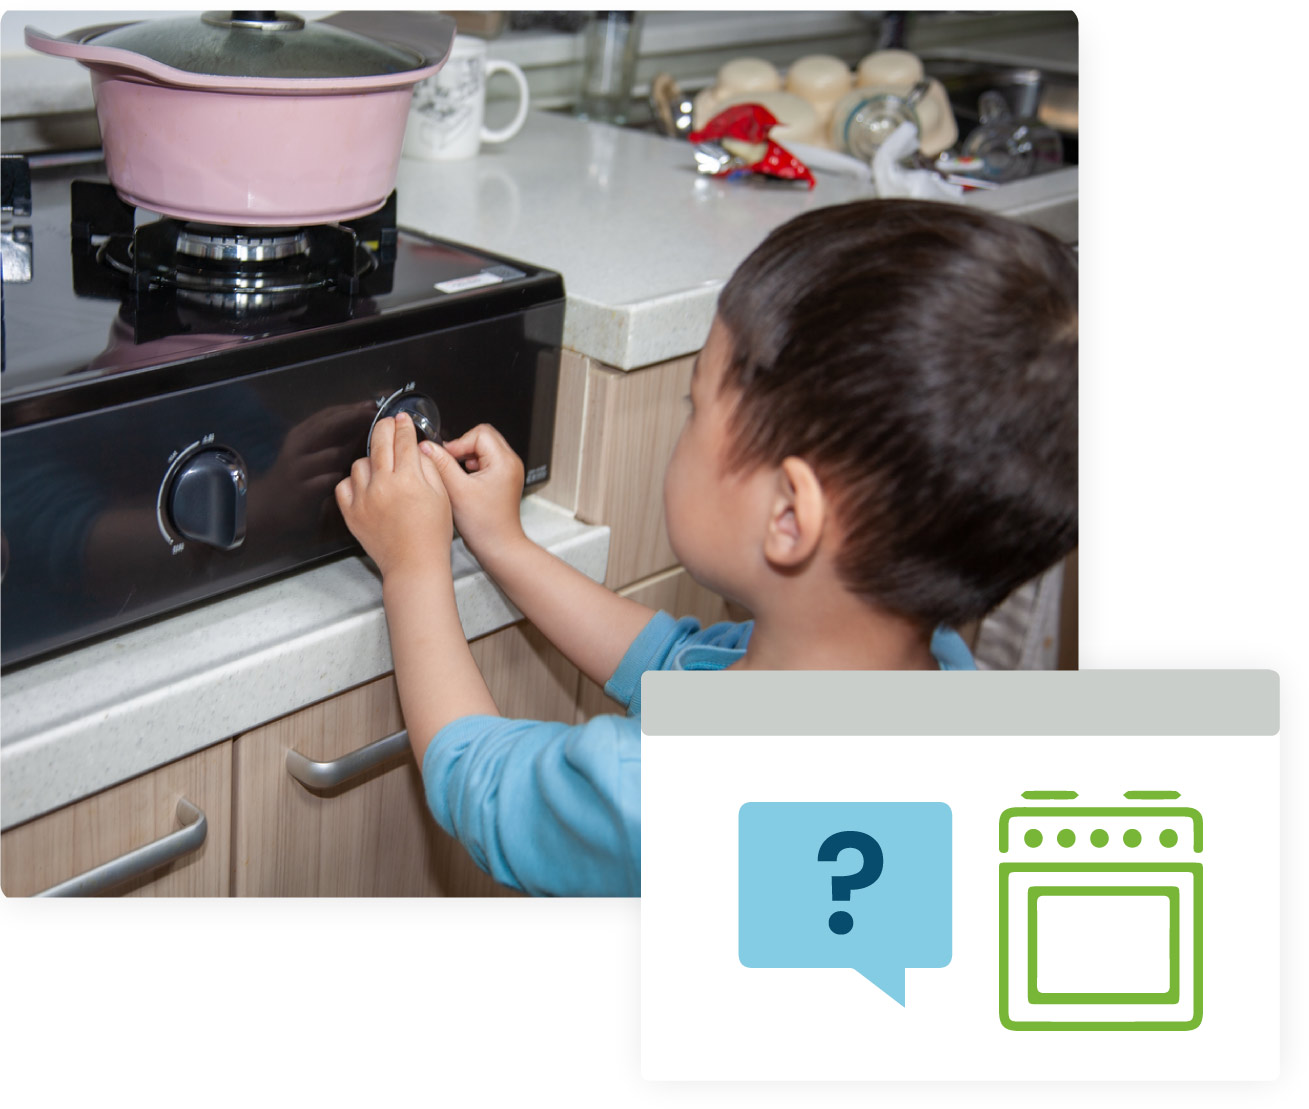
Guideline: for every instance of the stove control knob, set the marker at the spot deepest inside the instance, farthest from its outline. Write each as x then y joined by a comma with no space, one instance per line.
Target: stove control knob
422,410
206,502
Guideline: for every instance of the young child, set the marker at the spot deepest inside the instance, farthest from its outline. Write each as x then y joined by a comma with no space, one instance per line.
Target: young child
881,443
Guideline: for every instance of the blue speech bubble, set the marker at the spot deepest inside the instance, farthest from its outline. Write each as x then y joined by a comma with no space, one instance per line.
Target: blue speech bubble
891,912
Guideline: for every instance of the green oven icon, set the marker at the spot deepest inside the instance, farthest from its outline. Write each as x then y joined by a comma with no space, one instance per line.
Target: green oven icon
1101,914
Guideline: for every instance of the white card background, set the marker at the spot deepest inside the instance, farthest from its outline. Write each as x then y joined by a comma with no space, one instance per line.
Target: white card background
704,1016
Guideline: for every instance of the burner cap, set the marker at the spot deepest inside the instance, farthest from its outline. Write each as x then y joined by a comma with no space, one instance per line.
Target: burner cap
219,244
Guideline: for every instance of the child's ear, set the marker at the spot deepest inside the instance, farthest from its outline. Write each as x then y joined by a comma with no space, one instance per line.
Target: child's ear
796,515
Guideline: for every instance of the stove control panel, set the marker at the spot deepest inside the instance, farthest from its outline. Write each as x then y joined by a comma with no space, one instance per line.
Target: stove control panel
203,498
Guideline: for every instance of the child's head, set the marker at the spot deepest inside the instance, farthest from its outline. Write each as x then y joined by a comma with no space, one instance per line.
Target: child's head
921,360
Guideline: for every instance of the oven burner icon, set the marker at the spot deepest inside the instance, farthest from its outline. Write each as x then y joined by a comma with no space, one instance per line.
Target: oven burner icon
1100,914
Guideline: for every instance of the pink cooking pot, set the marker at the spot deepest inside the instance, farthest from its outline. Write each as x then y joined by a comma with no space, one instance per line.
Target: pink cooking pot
256,118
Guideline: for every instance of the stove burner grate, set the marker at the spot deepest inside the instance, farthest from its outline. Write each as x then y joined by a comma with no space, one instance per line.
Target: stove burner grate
236,270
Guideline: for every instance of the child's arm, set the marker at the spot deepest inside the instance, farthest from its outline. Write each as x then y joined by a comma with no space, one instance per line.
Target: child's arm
591,625
396,506
545,807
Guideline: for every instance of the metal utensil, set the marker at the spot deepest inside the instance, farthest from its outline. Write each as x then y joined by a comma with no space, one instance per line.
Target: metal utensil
672,107
714,158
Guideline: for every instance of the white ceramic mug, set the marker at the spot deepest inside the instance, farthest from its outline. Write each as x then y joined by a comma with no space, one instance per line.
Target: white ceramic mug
445,116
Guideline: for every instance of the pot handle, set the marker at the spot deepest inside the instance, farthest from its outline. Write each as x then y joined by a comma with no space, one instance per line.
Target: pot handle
432,34
429,33
75,45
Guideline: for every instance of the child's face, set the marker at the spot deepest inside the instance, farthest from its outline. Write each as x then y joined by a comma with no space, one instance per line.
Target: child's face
714,516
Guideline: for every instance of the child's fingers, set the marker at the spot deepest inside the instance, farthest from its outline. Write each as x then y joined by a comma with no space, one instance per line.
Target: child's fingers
361,473
431,471
404,442
479,444
464,443
443,464
382,448
345,494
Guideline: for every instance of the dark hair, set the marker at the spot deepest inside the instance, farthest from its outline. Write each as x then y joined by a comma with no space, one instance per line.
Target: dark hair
922,358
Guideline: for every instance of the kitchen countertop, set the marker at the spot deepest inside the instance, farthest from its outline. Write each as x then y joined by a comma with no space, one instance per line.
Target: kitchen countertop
97,715
645,243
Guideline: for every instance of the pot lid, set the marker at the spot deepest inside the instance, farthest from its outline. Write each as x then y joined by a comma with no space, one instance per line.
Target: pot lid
259,44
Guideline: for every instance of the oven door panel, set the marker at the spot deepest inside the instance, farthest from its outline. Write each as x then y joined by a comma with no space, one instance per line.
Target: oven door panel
1100,945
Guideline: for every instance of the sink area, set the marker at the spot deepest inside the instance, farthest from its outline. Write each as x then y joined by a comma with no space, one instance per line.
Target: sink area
1046,94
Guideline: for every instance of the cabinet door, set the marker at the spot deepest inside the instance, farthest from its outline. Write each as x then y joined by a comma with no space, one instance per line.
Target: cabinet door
631,425
89,833
373,836
570,413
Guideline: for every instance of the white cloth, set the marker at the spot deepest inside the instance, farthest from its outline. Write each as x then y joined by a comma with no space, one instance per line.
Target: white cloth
891,179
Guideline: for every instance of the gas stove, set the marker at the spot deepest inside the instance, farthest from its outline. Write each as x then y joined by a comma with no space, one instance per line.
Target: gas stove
179,400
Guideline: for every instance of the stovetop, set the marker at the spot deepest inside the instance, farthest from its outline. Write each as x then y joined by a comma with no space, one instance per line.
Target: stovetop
178,401
82,332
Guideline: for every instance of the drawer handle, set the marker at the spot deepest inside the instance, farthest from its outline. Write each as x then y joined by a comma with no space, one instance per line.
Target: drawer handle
186,840
327,775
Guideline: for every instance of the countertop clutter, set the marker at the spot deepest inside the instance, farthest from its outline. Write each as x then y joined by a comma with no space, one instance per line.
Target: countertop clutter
644,244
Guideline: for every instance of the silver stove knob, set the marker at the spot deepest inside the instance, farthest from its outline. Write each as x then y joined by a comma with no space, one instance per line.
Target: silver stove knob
422,410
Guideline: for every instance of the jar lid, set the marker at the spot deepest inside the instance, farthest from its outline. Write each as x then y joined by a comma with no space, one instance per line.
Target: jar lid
259,44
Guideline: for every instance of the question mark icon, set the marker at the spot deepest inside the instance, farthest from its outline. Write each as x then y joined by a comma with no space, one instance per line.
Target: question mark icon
841,922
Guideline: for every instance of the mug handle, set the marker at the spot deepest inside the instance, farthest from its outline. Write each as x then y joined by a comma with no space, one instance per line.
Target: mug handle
496,65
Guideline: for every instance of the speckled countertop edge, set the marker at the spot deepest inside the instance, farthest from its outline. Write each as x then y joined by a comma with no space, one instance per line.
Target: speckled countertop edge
87,719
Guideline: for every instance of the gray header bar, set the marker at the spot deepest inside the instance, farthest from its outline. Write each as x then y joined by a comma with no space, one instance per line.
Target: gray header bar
1027,702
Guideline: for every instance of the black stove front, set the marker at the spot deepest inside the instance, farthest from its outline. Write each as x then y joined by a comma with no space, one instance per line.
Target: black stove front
178,401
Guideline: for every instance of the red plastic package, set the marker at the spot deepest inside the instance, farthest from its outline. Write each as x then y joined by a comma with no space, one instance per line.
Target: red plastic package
751,124
748,122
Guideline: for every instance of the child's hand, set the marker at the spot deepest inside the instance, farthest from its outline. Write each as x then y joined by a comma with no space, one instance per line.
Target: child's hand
394,502
486,498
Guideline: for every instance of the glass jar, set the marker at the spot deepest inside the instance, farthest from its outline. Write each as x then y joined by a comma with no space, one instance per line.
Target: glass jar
1010,148
609,66
863,121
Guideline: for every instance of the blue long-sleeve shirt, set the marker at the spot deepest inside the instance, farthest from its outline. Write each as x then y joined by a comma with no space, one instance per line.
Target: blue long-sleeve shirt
553,808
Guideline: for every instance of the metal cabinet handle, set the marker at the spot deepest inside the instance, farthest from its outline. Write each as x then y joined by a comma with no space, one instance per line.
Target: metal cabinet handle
326,775
187,839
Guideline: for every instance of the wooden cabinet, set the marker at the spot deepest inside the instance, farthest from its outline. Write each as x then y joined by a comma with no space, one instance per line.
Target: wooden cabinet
366,837
634,420
268,835
373,836
70,841
613,437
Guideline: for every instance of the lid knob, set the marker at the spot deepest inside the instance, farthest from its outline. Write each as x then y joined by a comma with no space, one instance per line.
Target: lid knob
259,21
